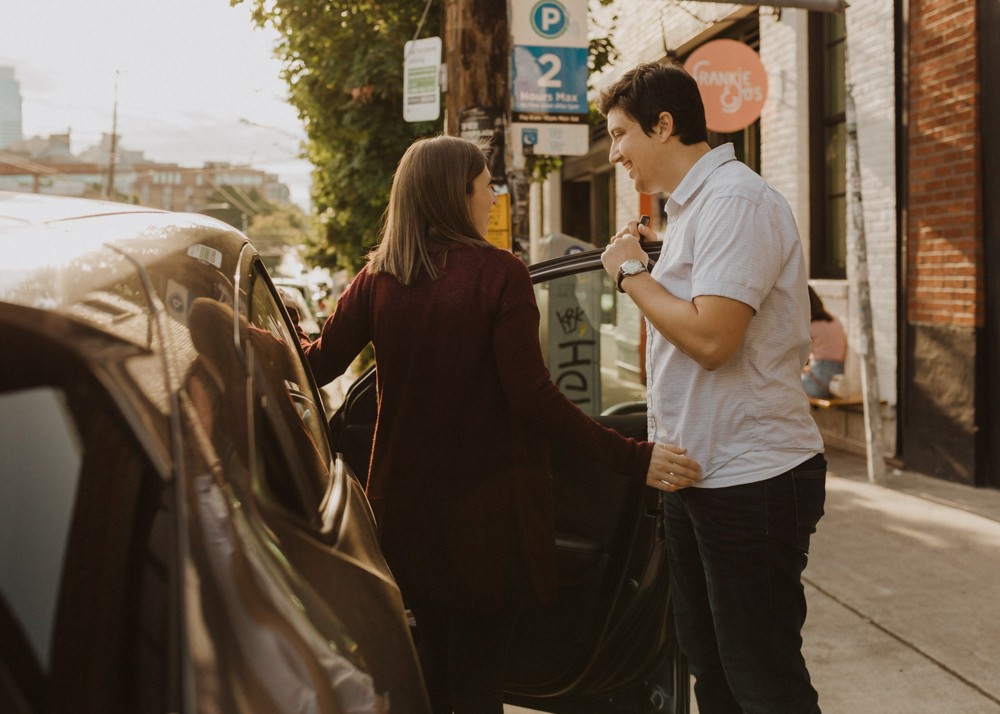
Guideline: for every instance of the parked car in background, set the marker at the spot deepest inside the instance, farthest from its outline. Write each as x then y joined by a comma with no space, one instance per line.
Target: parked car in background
176,534
293,297
315,295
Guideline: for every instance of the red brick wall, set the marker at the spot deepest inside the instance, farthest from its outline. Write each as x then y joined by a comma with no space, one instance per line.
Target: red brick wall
945,248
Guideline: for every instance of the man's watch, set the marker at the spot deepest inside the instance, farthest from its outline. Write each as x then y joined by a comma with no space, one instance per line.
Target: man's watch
629,267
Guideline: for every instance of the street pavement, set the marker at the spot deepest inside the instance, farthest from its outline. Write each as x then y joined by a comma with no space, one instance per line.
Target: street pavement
903,586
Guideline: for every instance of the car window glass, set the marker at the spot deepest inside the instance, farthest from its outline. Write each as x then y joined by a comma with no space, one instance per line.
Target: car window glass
290,425
592,342
43,456
85,552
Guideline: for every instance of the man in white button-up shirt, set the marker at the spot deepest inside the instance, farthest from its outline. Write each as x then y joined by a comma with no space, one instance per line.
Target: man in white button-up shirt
727,315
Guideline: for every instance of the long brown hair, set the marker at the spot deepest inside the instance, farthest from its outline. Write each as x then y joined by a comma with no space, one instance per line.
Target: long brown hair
429,203
816,309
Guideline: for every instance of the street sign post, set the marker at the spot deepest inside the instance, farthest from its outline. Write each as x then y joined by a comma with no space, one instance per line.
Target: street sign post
549,76
421,85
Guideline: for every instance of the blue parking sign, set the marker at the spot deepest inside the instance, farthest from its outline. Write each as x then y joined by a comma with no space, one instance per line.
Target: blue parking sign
550,79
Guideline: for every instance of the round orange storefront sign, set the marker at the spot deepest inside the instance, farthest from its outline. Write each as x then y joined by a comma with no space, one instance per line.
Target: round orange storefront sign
732,81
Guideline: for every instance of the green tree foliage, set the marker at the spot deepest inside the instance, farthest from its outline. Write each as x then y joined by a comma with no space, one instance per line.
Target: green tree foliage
282,227
343,62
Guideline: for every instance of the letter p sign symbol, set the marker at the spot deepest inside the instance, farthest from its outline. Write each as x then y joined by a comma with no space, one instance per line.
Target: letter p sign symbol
549,19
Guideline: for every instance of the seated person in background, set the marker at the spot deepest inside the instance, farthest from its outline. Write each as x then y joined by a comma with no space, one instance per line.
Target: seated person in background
829,347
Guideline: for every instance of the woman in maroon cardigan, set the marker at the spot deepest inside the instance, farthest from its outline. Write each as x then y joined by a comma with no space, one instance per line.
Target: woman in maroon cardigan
459,478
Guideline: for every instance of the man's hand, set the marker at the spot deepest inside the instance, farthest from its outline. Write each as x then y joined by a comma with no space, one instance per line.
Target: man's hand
626,245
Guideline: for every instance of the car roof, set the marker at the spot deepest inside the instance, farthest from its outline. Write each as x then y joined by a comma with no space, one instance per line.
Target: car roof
34,208
48,235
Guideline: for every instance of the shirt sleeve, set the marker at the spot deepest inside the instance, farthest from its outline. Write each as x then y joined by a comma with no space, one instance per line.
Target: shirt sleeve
533,396
737,253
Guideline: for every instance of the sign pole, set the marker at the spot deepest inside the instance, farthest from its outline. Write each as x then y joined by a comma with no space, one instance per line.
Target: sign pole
858,266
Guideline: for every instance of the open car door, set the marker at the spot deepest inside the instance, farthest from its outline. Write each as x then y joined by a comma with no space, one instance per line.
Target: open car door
606,644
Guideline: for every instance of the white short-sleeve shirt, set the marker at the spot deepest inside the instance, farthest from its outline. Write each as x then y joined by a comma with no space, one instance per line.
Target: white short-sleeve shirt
731,234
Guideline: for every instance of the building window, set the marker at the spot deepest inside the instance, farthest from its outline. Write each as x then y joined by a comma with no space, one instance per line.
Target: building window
828,146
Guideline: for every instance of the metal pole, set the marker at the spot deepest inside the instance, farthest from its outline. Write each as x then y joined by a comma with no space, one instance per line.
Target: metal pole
814,5
110,190
858,279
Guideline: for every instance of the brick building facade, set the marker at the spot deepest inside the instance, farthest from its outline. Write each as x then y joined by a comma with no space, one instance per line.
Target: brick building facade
947,317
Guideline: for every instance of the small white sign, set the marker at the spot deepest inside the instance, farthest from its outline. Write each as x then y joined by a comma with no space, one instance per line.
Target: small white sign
421,84
551,139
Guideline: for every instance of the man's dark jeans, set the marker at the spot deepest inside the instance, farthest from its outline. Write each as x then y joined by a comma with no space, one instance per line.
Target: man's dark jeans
736,560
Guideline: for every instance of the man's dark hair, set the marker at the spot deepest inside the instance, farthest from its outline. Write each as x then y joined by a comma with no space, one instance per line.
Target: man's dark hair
651,88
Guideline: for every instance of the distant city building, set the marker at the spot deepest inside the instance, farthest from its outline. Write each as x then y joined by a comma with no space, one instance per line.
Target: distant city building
217,186
52,149
101,154
10,108
46,165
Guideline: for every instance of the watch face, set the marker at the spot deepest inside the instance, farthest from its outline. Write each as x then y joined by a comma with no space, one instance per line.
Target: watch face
629,267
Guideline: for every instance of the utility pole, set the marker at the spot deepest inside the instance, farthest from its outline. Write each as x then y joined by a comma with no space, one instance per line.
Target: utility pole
109,191
476,50
477,98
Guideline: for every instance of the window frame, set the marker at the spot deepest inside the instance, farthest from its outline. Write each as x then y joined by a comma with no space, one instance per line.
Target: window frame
827,122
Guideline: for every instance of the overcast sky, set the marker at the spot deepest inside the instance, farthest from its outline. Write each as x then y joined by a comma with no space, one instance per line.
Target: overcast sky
197,81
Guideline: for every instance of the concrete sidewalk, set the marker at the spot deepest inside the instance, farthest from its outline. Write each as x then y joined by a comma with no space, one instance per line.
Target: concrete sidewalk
903,587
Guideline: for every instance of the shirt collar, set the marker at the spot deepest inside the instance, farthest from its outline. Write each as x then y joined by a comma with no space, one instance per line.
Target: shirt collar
699,173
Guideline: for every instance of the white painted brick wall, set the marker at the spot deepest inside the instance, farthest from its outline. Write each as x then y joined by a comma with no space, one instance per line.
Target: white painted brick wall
872,74
647,30
784,122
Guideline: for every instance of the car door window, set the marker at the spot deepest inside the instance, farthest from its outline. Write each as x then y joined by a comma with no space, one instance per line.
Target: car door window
85,555
294,459
40,444
592,342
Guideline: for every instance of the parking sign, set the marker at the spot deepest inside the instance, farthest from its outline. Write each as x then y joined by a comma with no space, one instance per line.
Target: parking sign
549,74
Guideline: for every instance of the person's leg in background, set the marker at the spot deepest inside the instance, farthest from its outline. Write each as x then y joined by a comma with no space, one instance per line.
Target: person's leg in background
478,662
